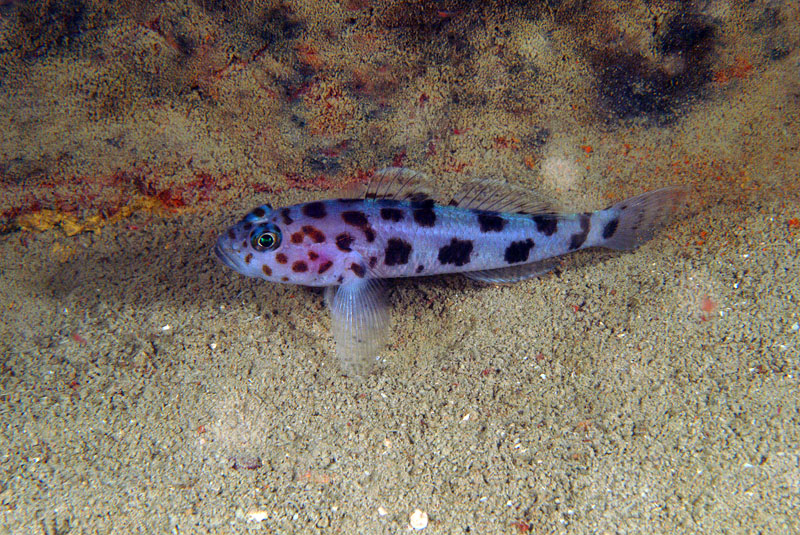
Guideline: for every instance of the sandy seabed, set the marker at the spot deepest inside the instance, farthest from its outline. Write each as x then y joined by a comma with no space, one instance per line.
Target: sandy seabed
147,389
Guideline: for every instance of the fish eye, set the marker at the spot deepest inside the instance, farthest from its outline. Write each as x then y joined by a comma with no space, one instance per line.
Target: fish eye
265,238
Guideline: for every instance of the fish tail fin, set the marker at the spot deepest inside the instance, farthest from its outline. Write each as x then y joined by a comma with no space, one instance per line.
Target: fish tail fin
630,223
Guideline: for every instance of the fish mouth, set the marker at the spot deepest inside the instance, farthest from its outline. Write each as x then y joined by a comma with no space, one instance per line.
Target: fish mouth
224,256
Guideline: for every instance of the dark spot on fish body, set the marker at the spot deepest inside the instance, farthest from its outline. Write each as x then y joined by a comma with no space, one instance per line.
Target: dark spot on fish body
420,268
392,214
358,269
546,224
325,266
258,213
456,253
231,234
355,218
518,251
297,238
248,258
344,241
316,235
579,238
247,226
287,219
299,267
315,210
397,252
359,220
267,270
312,255
610,229
285,278
373,261
491,222
281,258
424,215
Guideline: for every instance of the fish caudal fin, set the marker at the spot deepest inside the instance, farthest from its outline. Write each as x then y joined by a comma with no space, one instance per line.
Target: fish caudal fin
632,222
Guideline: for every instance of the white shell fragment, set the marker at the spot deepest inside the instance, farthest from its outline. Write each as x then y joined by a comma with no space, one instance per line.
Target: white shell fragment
418,519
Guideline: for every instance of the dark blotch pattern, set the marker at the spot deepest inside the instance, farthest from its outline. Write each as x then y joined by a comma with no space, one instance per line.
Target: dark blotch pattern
546,224
248,258
344,241
491,222
610,229
312,255
359,219
424,214
281,258
316,235
392,214
287,219
358,269
397,252
299,267
579,238
518,251
420,268
355,218
231,234
259,212
325,266
373,261
315,210
456,253
297,238
267,270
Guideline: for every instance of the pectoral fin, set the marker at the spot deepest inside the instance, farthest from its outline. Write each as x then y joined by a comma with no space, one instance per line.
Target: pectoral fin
360,322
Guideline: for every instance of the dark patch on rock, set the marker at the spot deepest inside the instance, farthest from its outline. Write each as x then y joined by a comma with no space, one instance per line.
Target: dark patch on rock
631,85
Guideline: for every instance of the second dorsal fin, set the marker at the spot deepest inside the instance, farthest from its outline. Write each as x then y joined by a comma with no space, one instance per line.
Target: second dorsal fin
494,196
397,183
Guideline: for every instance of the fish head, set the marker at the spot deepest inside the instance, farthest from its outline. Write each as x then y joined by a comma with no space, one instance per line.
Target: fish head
268,244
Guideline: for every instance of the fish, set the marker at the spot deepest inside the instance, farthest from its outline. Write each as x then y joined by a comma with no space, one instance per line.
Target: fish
352,247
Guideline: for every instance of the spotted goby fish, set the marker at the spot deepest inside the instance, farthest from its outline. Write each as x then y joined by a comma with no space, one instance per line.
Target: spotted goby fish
350,246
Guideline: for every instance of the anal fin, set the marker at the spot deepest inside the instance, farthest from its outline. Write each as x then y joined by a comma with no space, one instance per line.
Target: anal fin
359,321
511,274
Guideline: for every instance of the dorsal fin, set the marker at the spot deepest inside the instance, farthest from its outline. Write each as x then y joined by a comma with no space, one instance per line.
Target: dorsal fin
397,183
494,196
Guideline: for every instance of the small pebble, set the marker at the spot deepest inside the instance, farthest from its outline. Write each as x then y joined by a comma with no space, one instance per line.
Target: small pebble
257,516
418,520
